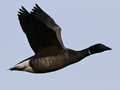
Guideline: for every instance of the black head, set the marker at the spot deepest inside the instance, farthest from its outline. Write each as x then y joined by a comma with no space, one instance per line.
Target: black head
97,48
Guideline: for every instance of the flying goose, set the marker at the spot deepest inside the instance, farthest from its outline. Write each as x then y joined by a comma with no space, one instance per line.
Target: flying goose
44,37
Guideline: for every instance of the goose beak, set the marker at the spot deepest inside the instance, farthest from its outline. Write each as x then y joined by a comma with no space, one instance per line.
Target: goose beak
108,48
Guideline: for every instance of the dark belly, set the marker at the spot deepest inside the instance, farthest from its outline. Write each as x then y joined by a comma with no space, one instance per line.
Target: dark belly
48,64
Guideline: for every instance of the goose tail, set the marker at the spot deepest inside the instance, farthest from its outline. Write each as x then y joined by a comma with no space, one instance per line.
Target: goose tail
22,66
16,68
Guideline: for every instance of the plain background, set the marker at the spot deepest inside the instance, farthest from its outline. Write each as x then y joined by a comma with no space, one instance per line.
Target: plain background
83,23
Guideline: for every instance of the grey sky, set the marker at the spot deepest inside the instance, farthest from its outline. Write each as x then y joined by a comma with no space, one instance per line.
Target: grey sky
83,23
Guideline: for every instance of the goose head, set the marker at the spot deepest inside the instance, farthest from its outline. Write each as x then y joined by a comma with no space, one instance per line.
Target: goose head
97,48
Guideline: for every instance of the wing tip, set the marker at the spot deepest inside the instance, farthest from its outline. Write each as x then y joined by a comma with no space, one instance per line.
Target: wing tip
22,10
37,6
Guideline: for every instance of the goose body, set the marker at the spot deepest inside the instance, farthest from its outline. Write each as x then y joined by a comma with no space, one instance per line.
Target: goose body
44,37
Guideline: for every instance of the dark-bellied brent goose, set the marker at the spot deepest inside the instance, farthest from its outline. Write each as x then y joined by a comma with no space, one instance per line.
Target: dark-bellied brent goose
44,37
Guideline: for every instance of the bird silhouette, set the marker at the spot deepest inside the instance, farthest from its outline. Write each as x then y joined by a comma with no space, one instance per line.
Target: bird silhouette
44,37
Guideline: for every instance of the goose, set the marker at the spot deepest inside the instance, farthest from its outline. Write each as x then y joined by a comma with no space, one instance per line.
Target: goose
44,37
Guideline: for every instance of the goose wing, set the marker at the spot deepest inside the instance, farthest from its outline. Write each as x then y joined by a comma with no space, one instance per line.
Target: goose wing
40,29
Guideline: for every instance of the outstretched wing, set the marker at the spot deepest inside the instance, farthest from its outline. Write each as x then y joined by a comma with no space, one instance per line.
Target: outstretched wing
40,29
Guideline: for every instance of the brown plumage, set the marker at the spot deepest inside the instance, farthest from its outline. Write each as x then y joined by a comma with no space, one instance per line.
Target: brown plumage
44,37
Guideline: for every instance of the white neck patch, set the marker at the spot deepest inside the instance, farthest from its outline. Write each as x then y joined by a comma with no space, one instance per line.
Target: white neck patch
89,52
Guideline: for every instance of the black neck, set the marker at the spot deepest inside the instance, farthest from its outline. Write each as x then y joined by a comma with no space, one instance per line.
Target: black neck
75,56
